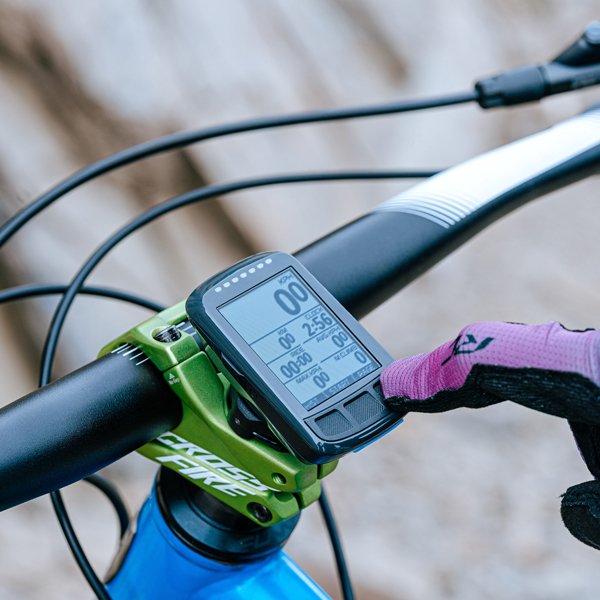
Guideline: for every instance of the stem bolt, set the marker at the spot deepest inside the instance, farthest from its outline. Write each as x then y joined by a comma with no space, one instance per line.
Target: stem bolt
168,334
260,513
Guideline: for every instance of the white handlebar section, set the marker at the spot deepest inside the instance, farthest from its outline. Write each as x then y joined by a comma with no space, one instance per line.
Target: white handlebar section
455,193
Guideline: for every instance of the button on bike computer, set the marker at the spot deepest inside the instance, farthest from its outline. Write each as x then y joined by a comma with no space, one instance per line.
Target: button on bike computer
309,368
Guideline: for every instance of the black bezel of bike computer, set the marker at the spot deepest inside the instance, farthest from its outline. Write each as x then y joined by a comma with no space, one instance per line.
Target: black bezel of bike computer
309,367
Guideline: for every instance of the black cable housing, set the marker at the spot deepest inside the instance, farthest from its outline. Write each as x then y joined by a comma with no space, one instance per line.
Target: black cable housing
180,140
110,490
336,544
22,292
78,553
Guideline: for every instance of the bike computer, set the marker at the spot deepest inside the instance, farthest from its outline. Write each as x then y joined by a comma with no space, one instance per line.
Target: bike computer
310,369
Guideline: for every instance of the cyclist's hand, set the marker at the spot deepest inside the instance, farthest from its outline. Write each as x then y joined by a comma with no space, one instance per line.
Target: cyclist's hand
544,367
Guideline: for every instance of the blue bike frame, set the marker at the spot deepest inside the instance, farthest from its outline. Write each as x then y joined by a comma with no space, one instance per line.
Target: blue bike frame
157,564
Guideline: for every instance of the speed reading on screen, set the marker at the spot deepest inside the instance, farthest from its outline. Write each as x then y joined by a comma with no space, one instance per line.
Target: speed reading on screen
298,338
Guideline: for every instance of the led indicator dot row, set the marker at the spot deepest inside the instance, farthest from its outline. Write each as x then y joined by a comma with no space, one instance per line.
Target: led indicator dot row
243,275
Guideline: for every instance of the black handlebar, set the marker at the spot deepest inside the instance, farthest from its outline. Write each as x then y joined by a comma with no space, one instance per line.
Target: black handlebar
367,261
79,424
103,411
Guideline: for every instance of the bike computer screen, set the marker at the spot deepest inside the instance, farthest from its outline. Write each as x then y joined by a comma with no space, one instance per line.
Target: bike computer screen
299,338
308,366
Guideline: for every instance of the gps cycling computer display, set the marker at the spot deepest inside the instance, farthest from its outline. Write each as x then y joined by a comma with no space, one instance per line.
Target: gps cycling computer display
310,369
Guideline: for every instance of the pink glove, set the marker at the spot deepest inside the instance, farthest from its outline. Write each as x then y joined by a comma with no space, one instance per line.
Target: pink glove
544,367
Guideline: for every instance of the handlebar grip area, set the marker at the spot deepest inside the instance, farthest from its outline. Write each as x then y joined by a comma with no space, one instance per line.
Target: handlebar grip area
81,423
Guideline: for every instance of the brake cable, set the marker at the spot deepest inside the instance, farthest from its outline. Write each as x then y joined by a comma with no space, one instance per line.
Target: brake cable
186,138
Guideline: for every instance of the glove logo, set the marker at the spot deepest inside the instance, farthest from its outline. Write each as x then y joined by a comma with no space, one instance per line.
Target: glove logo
466,346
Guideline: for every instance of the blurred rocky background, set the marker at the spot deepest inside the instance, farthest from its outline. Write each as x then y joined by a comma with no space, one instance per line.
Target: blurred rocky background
461,506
